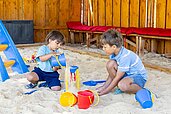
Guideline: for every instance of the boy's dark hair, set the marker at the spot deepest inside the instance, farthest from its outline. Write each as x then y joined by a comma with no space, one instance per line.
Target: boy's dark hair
55,35
112,37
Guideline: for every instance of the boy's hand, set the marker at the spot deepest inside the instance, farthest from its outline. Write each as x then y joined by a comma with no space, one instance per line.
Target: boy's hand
101,93
56,68
99,89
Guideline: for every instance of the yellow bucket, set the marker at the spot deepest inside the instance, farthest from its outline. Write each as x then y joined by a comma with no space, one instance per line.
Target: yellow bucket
67,99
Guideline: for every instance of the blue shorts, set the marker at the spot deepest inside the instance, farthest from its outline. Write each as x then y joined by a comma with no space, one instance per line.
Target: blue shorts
137,79
51,78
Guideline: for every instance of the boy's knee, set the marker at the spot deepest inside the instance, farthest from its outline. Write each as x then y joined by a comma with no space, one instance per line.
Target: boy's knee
111,64
55,88
123,86
30,77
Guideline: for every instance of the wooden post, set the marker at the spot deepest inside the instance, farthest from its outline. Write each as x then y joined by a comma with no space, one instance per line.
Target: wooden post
72,37
81,37
88,39
137,44
153,45
141,46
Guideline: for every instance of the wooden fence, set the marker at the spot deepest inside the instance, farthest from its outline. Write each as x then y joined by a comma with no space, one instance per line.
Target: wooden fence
53,14
133,13
47,15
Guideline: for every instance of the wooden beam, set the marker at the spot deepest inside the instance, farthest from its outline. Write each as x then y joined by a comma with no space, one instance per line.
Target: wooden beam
29,45
50,27
156,67
95,54
130,42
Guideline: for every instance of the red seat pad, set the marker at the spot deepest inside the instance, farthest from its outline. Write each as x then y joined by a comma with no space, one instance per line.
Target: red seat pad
152,31
75,25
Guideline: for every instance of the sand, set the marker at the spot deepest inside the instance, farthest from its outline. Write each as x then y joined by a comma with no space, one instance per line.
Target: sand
44,101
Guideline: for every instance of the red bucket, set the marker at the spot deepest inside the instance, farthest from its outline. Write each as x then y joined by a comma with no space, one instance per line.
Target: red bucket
85,99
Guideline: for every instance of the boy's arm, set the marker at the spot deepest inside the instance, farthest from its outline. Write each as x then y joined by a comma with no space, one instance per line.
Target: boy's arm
114,83
45,57
48,56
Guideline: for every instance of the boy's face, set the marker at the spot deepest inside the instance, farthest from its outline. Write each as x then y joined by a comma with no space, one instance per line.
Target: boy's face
54,45
109,49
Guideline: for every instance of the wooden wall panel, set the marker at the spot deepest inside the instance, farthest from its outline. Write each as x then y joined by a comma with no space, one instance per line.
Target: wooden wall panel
168,14
28,10
63,15
160,14
39,20
1,9
47,15
142,14
116,13
109,13
39,12
102,12
160,22
168,25
124,13
51,13
134,13
75,10
20,9
11,9
85,12
95,13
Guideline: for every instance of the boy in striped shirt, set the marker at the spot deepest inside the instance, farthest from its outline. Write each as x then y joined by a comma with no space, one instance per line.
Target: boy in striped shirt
125,68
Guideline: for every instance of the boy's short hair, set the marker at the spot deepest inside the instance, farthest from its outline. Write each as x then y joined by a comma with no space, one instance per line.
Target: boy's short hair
55,35
112,37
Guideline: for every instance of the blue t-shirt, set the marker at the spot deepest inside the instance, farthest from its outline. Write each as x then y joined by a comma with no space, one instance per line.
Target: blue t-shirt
46,65
130,63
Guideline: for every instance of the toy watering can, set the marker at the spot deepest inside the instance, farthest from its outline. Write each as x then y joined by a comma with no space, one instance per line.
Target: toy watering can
59,60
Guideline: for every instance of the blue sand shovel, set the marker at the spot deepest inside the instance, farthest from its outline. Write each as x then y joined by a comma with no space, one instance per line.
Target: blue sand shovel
30,92
93,83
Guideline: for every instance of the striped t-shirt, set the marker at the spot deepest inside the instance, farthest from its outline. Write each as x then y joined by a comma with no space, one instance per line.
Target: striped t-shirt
130,63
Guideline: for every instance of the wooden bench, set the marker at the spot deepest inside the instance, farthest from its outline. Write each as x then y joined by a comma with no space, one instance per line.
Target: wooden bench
152,34
92,33
140,34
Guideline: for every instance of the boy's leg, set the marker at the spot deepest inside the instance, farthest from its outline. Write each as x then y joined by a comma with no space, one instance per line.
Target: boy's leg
111,67
32,77
56,88
131,84
52,79
53,84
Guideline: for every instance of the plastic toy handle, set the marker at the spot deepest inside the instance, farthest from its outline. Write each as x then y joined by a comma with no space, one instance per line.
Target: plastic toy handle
77,79
98,98
66,78
59,62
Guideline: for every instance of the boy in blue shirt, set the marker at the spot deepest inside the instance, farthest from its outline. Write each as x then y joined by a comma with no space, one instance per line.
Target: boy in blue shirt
125,69
44,70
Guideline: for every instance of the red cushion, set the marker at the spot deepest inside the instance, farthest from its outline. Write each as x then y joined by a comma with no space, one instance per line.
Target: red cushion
101,28
74,25
152,31
165,32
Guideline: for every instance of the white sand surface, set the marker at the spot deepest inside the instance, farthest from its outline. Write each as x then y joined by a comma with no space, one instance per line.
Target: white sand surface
45,101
